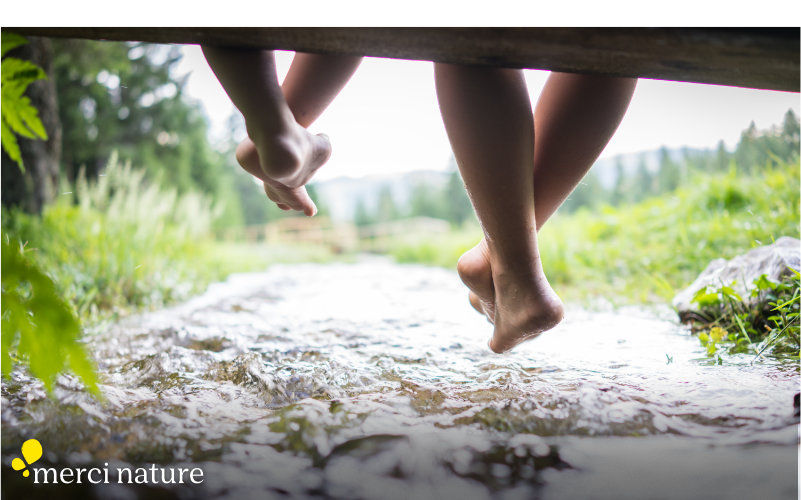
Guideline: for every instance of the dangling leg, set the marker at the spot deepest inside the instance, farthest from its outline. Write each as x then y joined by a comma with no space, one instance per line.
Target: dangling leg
488,118
279,150
575,118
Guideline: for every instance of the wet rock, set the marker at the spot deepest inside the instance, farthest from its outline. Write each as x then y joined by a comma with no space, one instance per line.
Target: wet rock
775,261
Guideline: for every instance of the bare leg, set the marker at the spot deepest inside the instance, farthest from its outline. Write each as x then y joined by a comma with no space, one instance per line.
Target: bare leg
279,150
489,122
311,84
313,81
575,117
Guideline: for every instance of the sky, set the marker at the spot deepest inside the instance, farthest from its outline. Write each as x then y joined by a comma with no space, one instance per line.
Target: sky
387,120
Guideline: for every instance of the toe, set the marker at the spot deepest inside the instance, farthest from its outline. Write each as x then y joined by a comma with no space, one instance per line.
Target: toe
497,346
303,201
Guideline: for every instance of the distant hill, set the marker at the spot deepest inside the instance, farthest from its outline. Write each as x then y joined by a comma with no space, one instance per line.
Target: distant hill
342,194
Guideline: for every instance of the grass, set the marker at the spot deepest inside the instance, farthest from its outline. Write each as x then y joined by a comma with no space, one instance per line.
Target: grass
646,252
121,244
725,322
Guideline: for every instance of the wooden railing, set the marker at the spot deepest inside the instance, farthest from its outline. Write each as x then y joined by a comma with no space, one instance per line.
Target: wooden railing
340,236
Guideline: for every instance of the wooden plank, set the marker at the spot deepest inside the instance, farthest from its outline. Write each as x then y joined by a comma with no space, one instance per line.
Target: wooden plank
757,58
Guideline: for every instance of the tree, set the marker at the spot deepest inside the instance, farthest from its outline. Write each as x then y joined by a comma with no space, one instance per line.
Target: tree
361,217
746,154
620,191
123,97
722,157
643,180
458,208
425,201
30,165
669,175
791,133
387,210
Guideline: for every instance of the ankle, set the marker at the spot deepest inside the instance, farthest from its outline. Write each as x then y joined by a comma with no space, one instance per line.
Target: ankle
281,154
517,269
516,255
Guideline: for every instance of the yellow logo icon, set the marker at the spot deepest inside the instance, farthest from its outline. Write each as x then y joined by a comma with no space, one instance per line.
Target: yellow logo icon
31,452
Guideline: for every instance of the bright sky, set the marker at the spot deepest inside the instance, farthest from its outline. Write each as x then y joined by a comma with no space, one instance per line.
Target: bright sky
387,119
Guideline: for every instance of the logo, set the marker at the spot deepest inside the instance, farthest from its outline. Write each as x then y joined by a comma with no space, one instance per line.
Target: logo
31,452
155,474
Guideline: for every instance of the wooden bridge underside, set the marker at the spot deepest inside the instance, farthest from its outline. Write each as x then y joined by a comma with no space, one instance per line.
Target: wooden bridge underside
757,58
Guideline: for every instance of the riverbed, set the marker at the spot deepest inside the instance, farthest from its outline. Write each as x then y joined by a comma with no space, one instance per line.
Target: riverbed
374,380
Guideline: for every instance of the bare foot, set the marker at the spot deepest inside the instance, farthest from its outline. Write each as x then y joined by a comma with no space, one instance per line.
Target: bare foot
520,306
476,273
285,163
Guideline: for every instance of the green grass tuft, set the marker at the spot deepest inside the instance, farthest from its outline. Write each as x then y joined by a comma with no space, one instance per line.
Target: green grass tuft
647,251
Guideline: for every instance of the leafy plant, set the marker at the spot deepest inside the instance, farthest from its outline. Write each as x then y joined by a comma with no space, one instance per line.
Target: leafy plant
18,114
39,327
731,324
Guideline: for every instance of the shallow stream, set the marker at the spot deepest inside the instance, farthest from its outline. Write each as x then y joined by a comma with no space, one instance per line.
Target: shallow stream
373,380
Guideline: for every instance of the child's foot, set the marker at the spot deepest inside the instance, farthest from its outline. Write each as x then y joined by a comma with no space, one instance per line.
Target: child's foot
520,306
476,273
285,163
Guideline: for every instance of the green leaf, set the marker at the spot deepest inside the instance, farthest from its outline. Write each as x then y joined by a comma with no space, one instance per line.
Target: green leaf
705,298
21,117
10,145
19,74
18,115
10,41
38,325
729,292
763,283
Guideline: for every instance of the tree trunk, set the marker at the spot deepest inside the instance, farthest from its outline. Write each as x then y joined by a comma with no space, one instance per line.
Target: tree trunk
32,189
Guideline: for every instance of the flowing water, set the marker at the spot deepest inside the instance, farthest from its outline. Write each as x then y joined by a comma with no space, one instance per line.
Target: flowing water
373,380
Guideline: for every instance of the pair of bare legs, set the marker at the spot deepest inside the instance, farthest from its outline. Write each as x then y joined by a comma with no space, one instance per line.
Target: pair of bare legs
518,168
279,150
515,182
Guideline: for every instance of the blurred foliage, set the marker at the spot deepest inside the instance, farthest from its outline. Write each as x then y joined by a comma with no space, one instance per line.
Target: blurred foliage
755,150
727,322
18,114
40,328
124,97
650,249
448,202
647,246
646,251
117,242
120,242
653,174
